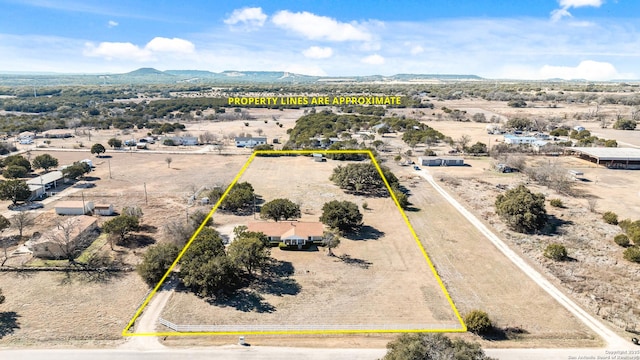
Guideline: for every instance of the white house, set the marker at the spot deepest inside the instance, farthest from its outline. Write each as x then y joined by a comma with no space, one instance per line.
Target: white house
250,141
289,232
517,140
48,180
103,209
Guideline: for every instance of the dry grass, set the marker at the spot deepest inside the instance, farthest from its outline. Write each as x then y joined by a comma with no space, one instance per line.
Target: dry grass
62,309
385,280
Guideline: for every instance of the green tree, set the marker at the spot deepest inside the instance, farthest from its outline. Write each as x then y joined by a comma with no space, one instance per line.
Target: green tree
76,170
341,215
622,240
433,347
625,124
478,322
280,209
115,143
14,190
14,172
518,123
205,268
18,160
239,199
156,261
363,179
477,148
121,226
403,199
249,251
555,252
522,210
44,161
98,149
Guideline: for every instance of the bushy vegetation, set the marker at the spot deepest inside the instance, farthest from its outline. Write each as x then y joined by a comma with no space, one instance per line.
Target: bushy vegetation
555,252
156,261
363,179
632,254
622,240
522,210
433,346
239,200
341,215
610,218
625,124
478,322
632,229
556,203
280,209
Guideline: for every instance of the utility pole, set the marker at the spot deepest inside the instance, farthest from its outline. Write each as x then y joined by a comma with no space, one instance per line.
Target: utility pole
146,200
109,163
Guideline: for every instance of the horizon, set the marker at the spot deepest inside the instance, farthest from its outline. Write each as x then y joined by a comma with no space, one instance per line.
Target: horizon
563,39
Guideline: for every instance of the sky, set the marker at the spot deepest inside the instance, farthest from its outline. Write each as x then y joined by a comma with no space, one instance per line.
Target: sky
496,39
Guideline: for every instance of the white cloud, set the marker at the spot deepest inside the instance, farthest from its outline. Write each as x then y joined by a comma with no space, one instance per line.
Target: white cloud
374,59
248,16
565,5
129,51
117,50
587,69
316,52
580,3
175,45
112,23
317,27
417,49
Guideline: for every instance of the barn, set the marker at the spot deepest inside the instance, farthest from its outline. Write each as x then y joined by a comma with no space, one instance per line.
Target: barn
612,158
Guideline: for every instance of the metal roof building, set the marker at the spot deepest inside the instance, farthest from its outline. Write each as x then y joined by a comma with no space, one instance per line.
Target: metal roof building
612,158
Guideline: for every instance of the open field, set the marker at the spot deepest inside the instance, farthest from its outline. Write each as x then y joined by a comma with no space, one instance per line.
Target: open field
370,288
480,277
51,309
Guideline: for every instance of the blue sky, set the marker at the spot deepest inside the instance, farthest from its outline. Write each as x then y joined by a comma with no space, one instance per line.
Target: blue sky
537,39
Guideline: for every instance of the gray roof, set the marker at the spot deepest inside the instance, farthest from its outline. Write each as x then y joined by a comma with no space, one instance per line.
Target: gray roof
46,178
610,153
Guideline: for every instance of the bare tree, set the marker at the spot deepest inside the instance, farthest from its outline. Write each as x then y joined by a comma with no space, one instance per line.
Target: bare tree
22,220
464,141
68,240
259,131
208,137
591,204
168,160
331,240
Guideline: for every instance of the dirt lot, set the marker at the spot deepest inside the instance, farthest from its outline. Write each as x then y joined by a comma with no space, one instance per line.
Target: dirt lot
372,289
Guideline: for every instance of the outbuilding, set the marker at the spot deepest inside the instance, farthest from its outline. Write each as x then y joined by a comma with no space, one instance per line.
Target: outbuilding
74,207
429,161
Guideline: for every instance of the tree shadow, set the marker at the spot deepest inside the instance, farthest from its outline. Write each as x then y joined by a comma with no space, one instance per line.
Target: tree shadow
365,232
91,178
275,279
361,263
8,323
148,228
553,225
136,241
244,300
502,334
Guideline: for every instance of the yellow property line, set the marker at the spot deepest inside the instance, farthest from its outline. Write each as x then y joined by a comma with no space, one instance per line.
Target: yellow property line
125,331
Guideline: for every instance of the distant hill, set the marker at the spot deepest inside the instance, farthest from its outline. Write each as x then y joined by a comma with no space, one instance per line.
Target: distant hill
155,76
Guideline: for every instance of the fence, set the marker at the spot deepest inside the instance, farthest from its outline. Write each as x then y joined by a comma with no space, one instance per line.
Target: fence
302,327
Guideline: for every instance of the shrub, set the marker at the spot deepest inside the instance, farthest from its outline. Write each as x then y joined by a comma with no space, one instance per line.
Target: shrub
478,322
610,218
555,252
556,203
622,240
522,210
632,254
